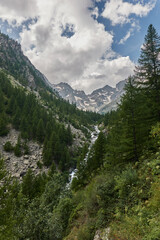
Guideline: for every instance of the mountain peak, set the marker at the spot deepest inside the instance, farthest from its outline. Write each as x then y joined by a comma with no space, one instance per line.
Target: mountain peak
100,100
18,65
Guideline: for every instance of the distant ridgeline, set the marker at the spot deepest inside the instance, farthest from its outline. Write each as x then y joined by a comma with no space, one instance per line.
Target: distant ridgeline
101,100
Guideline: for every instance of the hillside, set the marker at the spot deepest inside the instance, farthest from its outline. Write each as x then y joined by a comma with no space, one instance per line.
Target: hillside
13,60
115,192
32,111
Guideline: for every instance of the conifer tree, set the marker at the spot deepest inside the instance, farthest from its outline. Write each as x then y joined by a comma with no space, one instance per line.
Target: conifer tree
69,136
148,70
135,127
97,156
3,125
40,131
1,101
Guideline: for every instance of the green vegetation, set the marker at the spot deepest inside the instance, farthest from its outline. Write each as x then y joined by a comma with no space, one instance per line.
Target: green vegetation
119,185
8,147
37,120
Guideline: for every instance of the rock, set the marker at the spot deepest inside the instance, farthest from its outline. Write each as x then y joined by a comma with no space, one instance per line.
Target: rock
22,173
102,234
34,157
18,166
16,175
97,235
26,162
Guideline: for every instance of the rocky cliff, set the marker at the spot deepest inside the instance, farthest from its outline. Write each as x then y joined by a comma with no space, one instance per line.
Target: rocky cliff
101,100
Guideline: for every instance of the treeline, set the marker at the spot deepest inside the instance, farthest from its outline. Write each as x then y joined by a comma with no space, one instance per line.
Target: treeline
120,181
129,127
17,65
139,109
27,115
118,187
69,112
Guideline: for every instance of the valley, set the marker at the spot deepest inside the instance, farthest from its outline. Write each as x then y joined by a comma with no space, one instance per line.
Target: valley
76,166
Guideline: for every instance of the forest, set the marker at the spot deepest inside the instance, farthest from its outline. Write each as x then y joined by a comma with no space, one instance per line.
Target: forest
117,188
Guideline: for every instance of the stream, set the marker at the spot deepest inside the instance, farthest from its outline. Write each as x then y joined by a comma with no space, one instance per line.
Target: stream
94,136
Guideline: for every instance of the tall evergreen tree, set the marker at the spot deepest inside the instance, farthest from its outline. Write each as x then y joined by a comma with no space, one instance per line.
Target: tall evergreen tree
148,70
135,122
40,131
97,155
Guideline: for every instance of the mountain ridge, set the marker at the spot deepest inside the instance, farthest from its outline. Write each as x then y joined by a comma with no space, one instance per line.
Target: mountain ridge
101,100
18,65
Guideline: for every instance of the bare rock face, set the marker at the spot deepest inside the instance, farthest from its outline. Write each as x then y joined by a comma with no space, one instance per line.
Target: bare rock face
102,234
101,100
18,166
78,137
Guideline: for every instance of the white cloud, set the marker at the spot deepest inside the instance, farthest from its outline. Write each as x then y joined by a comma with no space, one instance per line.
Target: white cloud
95,12
120,12
124,39
19,10
76,60
105,72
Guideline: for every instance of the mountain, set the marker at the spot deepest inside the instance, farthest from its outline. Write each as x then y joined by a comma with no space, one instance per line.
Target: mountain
19,66
101,100
115,192
29,108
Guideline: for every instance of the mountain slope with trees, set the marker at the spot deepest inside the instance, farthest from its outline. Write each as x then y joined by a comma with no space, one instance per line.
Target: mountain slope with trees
116,191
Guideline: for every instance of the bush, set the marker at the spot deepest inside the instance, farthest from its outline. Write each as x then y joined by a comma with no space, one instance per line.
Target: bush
17,150
8,147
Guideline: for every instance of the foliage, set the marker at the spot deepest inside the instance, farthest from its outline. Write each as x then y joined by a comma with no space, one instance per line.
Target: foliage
117,186
8,146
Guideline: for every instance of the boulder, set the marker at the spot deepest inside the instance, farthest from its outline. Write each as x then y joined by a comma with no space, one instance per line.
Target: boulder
26,162
22,173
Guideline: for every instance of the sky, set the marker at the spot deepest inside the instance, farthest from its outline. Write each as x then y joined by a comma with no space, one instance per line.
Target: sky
86,43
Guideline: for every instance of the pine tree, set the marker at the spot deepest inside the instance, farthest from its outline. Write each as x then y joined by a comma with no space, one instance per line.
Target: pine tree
17,118
69,136
1,101
97,156
47,152
135,123
40,131
148,70
128,132
3,125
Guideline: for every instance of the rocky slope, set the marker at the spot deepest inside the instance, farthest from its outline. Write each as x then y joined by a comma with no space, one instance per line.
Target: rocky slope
13,60
18,166
101,100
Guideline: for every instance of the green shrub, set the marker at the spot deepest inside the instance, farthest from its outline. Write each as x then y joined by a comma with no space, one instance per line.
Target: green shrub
17,150
8,147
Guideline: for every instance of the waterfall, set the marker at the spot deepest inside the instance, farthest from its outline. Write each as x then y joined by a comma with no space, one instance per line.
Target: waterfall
94,136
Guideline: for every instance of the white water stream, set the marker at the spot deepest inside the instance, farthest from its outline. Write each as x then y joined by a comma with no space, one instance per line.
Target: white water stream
94,136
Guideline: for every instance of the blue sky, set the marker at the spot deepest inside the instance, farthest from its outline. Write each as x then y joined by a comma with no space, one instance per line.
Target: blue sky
86,43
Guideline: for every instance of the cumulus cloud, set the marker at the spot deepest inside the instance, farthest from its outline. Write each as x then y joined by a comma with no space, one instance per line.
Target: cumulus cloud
84,58
17,11
120,12
105,72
